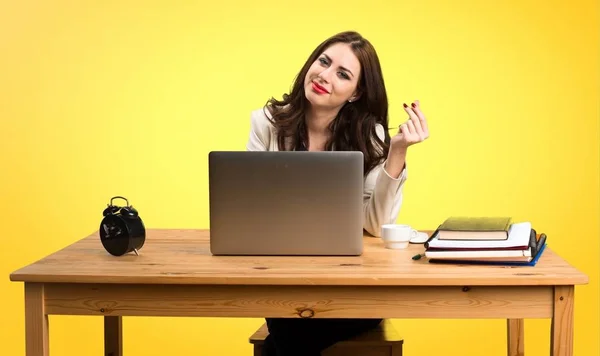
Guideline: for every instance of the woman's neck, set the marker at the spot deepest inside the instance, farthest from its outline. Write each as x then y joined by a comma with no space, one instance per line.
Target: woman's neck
317,125
317,121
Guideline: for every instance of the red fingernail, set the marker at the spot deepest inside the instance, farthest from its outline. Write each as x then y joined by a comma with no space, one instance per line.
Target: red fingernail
413,105
405,105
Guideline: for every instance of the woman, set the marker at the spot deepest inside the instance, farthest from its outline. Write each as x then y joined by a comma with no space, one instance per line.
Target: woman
339,102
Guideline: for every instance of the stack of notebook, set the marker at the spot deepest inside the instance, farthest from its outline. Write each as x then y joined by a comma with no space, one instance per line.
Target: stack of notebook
484,240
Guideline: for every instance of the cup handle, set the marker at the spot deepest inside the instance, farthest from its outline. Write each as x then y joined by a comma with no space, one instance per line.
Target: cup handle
413,233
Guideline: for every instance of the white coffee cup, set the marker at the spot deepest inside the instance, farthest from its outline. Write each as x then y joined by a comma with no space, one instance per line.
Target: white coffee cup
396,236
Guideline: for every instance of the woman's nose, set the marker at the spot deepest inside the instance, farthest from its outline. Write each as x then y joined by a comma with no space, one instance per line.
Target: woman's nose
325,75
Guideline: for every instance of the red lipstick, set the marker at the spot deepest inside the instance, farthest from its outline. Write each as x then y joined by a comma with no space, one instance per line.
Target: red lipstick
319,89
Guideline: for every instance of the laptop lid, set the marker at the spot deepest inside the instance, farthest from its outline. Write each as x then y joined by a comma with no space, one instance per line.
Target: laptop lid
286,203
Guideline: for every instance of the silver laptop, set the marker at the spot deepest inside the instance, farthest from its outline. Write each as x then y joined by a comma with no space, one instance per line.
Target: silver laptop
286,203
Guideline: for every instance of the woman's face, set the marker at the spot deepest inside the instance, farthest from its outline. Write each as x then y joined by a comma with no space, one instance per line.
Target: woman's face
333,78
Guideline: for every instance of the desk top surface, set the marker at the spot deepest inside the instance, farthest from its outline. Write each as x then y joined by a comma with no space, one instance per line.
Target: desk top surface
180,256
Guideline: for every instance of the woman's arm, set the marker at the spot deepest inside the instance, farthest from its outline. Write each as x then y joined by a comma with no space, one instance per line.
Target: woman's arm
383,186
382,195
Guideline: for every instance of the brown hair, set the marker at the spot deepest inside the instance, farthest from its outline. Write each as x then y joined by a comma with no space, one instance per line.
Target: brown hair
353,129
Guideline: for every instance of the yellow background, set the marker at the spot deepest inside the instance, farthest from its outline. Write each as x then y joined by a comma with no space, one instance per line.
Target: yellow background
104,98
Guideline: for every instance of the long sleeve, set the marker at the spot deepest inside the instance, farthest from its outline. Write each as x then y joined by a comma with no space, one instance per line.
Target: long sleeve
382,197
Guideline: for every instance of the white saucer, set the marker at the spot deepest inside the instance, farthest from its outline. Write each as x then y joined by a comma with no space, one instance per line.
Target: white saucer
421,238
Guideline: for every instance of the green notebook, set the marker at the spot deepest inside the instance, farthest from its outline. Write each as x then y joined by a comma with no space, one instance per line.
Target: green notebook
474,228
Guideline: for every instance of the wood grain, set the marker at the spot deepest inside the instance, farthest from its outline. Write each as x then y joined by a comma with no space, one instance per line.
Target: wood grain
298,301
561,334
175,256
516,337
113,336
36,321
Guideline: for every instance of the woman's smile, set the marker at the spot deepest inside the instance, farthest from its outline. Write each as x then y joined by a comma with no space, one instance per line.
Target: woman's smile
319,89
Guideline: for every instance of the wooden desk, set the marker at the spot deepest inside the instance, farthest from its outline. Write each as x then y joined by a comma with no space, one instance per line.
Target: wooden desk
175,275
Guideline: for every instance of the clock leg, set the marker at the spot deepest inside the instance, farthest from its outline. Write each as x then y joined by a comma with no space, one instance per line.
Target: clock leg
113,336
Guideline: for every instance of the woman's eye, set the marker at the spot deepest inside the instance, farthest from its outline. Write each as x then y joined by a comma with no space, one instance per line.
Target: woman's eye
344,75
323,60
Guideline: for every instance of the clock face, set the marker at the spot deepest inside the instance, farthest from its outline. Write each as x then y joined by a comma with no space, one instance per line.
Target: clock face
114,235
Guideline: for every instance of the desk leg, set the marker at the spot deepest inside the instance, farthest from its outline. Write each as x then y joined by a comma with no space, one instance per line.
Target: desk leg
561,337
516,337
113,336
36,321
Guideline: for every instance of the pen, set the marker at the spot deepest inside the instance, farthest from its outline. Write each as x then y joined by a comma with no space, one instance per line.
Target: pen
418,257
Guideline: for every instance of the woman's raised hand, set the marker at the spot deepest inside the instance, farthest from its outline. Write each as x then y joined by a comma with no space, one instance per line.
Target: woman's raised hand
414,130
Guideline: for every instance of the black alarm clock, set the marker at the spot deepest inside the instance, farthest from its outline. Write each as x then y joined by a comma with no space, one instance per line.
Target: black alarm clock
121,229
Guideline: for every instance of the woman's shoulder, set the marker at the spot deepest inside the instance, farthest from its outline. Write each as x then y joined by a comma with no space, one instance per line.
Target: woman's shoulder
261,130
261,117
